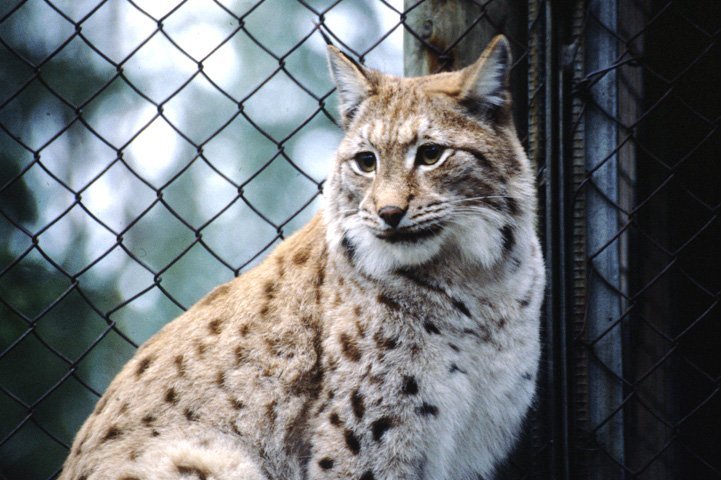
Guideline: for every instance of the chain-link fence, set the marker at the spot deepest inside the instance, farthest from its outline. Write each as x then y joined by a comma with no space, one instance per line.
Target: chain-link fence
150,150
643,143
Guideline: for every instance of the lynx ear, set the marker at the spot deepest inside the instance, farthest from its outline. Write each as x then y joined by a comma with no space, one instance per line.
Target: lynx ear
354,82
485,83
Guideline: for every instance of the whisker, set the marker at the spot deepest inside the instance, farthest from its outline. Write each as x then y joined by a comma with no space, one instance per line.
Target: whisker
471,199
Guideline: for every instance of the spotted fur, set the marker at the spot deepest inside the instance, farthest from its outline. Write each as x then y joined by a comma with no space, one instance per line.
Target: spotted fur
393,337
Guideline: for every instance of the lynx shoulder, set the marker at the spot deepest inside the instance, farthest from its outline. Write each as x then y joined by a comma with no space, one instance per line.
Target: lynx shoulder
396,336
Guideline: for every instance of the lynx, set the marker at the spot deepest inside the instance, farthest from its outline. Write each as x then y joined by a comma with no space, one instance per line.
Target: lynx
395,336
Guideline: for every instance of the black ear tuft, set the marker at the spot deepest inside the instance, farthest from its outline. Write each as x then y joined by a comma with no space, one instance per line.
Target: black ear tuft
326,37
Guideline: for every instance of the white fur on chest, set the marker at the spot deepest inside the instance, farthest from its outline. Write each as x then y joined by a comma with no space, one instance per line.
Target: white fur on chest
483,388
483,394
475,362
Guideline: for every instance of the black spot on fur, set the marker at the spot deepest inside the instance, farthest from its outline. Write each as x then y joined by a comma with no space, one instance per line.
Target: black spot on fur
352,442
461,307
356,401
143,366
427,409
380,427
236,404
348,249
349,347
454,347
410,386
512,205
154,433
269,290
367,475
192,470
431,328
326,463
270,411
509,238
215,326
148,420
388,302
528,376
112,433
301,256
454,368
526,300
334,419
171,396
179,365
190,415
383,342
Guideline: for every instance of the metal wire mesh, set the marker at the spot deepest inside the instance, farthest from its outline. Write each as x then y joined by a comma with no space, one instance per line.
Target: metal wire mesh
151,150
644,140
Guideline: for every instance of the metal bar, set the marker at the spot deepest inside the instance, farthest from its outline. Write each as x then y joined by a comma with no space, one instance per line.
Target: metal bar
431,40
556,224
604,276
445,35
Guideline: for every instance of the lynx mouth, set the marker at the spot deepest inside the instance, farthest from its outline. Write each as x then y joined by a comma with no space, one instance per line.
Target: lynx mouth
408,235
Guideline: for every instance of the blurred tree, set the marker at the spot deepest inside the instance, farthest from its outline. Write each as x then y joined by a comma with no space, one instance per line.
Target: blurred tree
47,319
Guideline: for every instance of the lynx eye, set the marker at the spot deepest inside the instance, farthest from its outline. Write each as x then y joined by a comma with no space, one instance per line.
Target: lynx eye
366,161
428,154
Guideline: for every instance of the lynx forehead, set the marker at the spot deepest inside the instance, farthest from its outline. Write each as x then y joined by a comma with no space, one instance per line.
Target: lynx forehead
393,337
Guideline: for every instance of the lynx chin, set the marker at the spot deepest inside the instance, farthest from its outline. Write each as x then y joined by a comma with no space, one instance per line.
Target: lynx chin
396,336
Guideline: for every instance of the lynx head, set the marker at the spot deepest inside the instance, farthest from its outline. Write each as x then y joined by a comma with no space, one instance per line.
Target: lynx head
430,168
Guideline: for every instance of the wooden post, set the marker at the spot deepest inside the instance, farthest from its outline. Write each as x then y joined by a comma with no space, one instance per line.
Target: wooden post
451,34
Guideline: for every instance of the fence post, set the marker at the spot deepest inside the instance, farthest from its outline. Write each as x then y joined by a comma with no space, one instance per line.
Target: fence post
451,34
603,333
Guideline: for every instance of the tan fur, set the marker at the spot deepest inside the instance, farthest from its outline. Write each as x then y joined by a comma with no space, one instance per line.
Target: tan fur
350,353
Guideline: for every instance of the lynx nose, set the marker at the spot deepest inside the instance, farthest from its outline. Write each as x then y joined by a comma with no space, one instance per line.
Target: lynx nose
392,215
